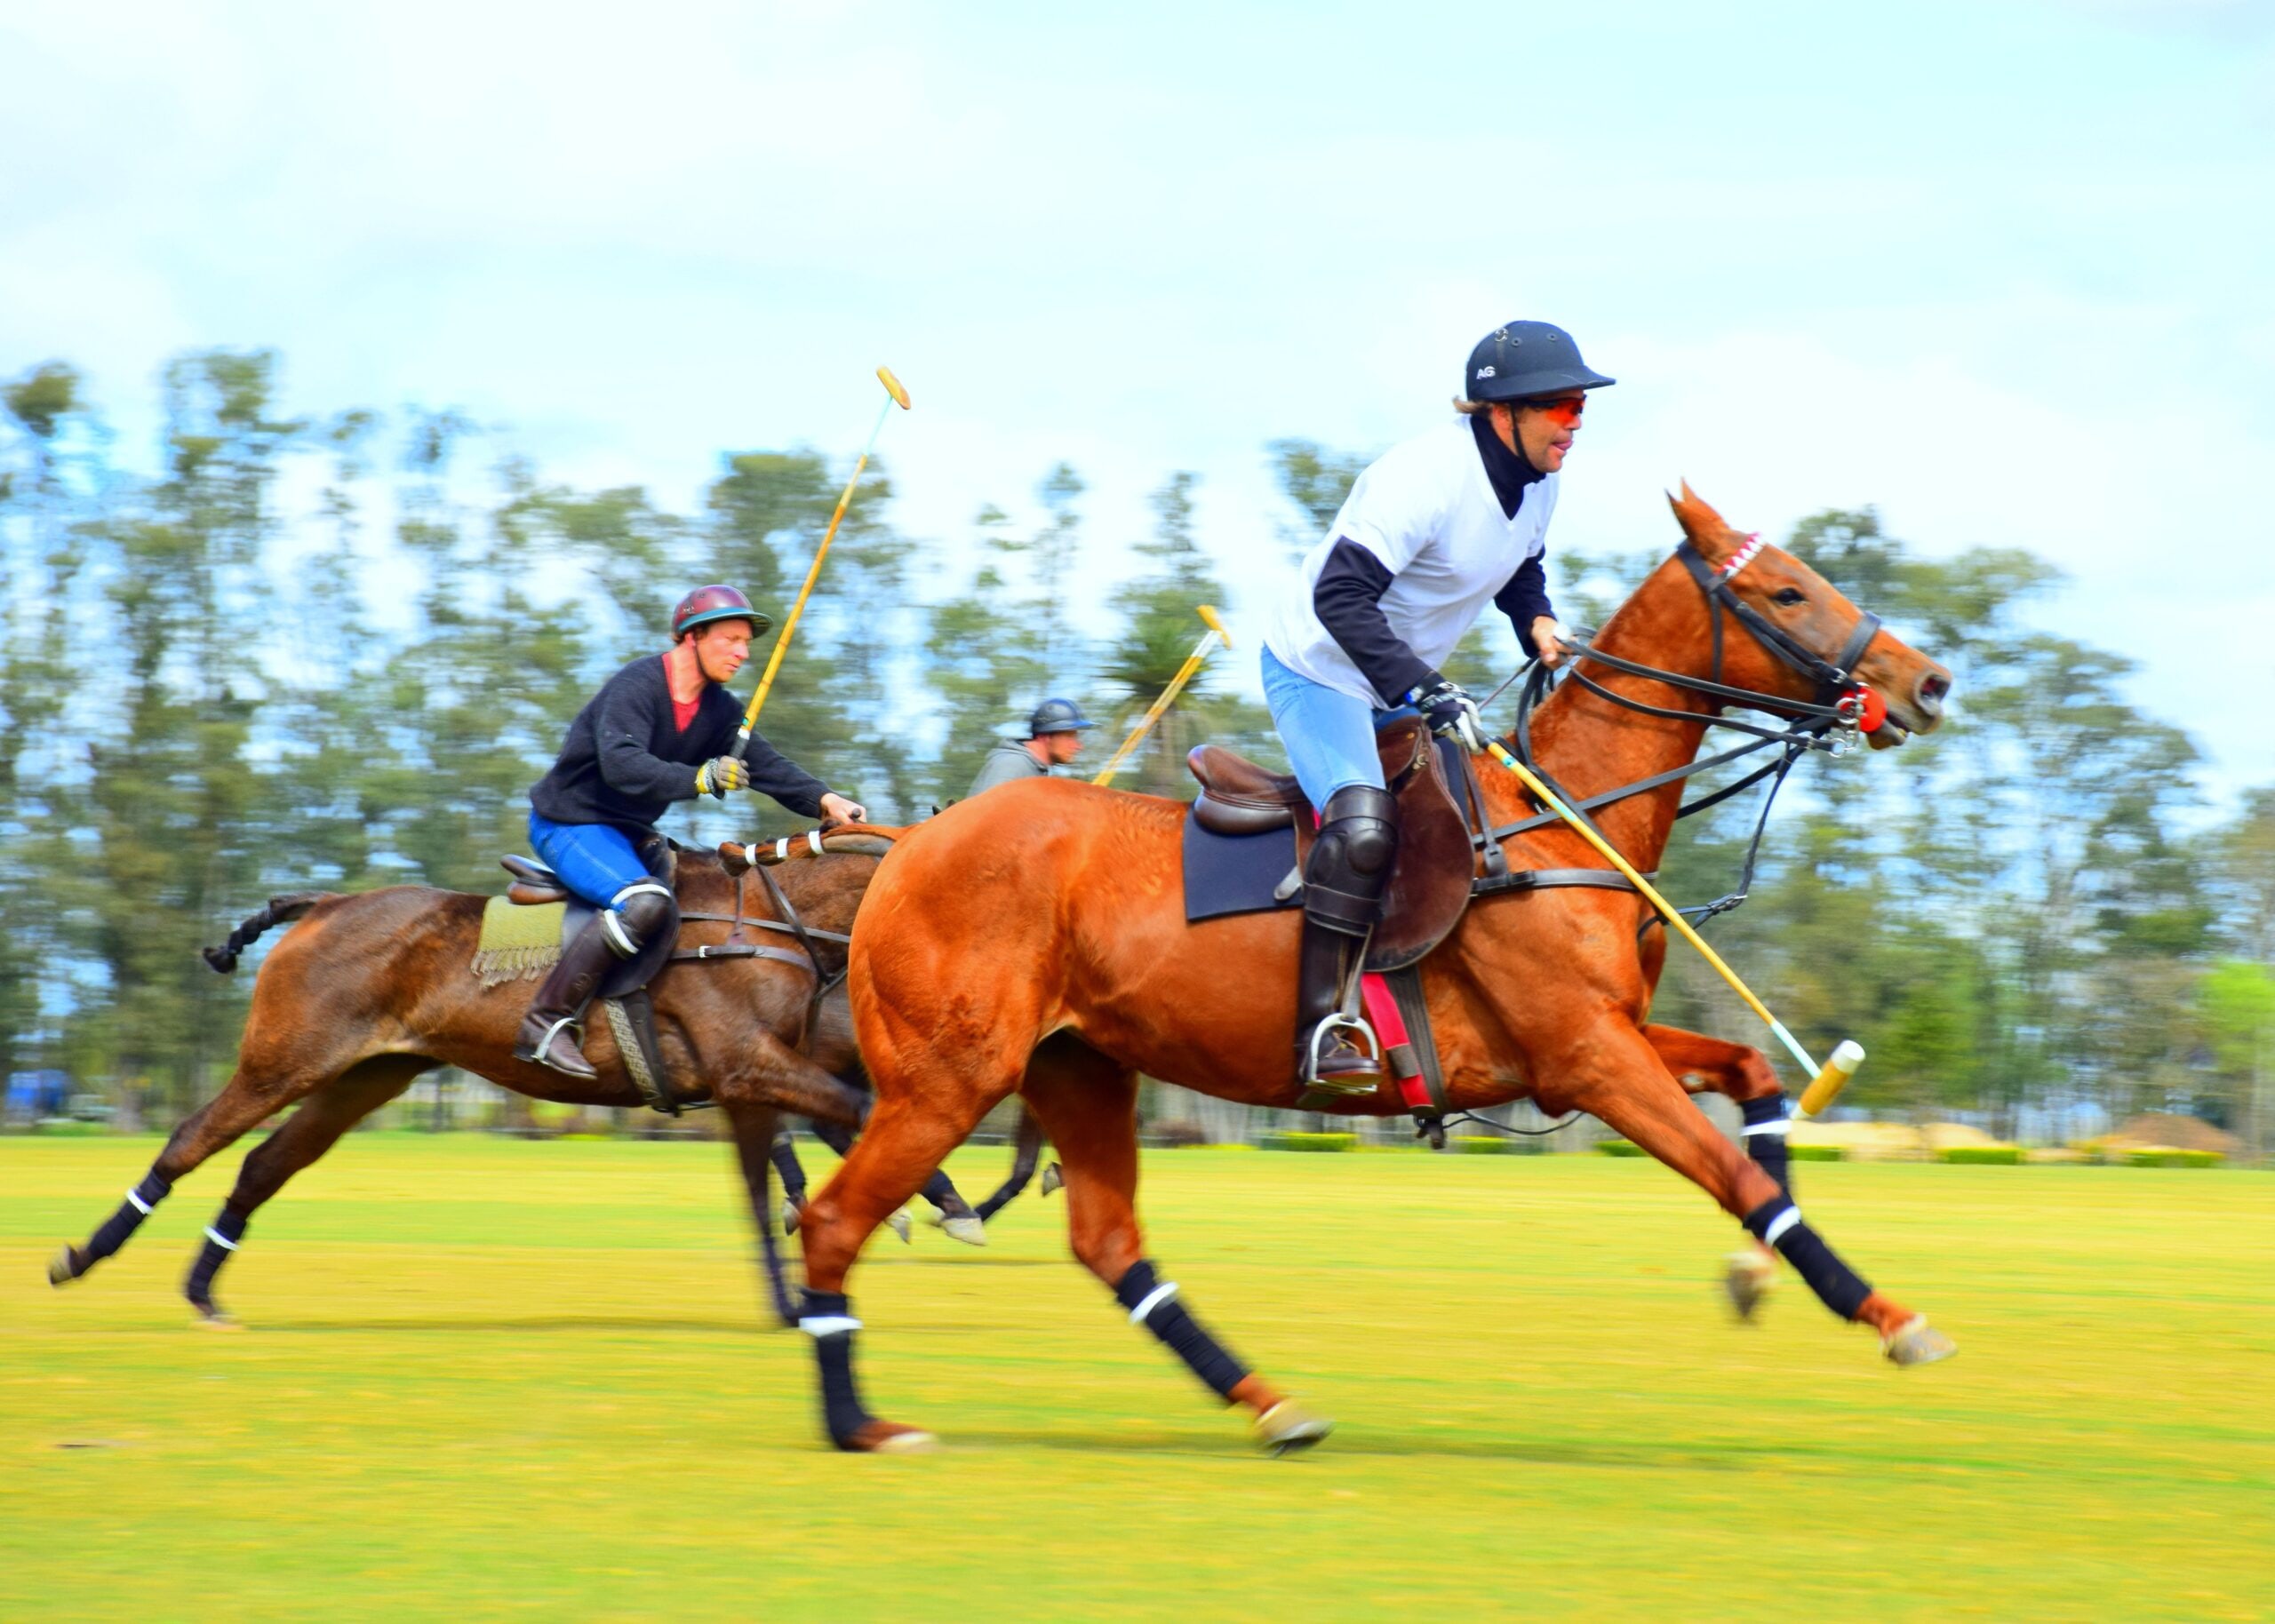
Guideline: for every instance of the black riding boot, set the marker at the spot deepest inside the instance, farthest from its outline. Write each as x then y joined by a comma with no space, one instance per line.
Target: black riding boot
1344,881
549,1030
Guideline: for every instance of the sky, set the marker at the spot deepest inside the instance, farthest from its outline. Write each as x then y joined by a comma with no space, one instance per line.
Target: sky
2002,270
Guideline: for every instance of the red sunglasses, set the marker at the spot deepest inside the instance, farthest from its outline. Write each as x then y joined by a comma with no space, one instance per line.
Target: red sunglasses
1565,410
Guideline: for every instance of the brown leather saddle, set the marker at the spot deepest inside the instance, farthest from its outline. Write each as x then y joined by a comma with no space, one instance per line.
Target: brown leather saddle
1436,867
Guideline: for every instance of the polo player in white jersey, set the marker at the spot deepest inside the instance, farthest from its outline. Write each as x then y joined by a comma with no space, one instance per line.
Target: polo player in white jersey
1433,531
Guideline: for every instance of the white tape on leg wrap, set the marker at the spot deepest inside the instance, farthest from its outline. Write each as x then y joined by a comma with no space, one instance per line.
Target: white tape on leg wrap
135,1200
1778,1225
1152,1300
219,1239
1781,1127
829,1324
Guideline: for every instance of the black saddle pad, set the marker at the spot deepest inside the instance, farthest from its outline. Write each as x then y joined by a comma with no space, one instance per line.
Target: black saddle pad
1225,874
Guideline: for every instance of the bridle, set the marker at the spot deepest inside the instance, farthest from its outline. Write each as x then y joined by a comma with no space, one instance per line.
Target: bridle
1829,722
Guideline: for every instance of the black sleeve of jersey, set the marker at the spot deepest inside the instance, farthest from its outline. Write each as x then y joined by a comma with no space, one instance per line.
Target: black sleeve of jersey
1347,599
621,730
1524,599
772,773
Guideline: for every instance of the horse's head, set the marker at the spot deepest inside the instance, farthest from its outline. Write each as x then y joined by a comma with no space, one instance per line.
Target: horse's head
1818,621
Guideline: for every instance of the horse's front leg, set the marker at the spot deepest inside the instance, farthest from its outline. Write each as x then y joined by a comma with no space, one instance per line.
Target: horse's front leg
1744,1075
1614,1072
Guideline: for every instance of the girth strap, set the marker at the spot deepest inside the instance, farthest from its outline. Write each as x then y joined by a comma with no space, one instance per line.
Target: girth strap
1549,880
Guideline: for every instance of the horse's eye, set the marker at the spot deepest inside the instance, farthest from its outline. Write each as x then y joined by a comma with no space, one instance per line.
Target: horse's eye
1790,595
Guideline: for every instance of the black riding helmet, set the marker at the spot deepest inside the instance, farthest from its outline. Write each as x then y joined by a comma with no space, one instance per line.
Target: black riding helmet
1057,716
1524,360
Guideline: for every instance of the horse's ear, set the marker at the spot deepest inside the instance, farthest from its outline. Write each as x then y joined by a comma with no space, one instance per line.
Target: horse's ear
1701,526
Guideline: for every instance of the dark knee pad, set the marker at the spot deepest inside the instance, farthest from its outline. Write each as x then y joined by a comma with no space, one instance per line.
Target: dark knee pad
644,910
1778,1222
1349,866
1153,1303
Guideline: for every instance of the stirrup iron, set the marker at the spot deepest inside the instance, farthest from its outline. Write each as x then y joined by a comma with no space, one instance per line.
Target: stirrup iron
1334,1025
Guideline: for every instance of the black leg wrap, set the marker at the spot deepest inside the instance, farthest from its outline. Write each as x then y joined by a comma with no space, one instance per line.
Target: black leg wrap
122,1224
1021,1176
784,1153
1765,1137
828,1320
1778,1222
940,1190
1156,1306
222,1238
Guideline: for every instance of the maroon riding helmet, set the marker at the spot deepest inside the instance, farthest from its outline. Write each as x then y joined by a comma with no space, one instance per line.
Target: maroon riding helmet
706,604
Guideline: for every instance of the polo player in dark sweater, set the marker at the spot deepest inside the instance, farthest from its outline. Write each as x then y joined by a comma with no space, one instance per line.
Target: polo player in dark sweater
658,731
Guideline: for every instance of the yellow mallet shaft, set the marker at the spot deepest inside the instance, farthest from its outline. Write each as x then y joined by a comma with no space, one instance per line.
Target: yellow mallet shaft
896,395
1825,1081
1201,650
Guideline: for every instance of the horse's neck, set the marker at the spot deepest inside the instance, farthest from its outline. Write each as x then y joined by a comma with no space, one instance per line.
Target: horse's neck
1589,744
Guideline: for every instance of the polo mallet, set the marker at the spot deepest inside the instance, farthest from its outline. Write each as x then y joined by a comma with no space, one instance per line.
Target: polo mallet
1825,1081
1208,644
895,395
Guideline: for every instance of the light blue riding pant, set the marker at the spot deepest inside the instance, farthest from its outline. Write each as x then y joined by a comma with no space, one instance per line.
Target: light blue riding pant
1329,735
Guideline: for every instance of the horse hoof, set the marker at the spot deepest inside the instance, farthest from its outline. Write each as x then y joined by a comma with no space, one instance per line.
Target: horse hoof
1918,1342
1053,1179
791,1213
210,1317
884,1437
967,1228
1287,1426
899,1225
65,1266
1747,1278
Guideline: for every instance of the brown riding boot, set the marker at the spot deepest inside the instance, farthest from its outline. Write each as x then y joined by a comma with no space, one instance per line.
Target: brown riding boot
1344,878
549,1034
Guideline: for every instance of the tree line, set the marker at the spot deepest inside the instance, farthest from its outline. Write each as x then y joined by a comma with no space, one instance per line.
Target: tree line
336,651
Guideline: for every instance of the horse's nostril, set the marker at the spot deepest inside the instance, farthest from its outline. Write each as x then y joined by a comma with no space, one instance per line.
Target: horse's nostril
1931,690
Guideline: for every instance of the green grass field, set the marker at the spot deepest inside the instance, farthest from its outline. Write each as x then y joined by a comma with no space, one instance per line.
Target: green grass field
490,1378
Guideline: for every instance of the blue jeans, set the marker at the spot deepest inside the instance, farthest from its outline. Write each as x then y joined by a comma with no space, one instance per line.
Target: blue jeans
1329,735
595,860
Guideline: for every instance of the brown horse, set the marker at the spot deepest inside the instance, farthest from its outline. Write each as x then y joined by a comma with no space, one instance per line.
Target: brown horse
1036,940
370,990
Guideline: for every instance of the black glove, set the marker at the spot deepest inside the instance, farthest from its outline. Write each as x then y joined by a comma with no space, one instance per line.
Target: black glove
721,774
1450,711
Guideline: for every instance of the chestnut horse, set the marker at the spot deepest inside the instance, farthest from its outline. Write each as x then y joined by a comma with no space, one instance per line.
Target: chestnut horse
1036,940
372,990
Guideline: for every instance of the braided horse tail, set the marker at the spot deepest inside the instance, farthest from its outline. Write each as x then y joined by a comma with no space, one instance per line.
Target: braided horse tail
279,911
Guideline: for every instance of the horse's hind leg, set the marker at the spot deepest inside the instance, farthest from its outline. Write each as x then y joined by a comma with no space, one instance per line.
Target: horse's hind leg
758,1147
307,1134
1088,1103
263,1085
1745,1077
1026,1152
1617,1075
